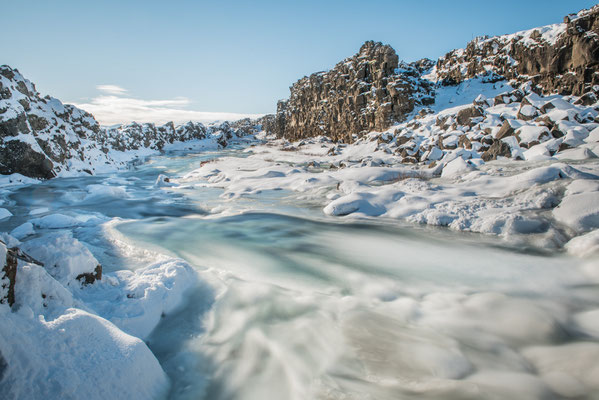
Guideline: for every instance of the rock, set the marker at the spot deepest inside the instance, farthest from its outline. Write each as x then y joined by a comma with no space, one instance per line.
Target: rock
564,64
466,115
88,278
464,142
527,112
19,157
505,130
497,149
556,133
587,99
362,93
54,137
481,101
8,274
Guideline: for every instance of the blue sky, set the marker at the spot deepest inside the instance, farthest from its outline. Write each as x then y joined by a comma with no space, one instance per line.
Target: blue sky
232,56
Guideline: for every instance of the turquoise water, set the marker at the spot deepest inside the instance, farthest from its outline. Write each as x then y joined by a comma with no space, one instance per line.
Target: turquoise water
293,304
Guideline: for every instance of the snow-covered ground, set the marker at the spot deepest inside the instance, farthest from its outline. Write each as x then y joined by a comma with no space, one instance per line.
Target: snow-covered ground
452,256
545,201
65,339
212,259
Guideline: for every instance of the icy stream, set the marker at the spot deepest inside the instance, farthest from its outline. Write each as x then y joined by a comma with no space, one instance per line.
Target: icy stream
294,304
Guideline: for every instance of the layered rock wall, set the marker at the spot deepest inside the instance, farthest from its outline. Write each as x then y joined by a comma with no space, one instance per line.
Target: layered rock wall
561,58
366,92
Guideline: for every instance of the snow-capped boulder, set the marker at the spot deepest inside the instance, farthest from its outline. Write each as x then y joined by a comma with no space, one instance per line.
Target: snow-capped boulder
65,258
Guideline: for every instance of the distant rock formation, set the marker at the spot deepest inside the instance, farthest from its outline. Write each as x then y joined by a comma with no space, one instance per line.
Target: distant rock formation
42,137
366,92
372,90
561,58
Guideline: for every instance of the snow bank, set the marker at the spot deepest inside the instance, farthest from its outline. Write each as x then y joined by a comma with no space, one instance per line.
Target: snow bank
4,213
64,257
63,339
56,221
76,355
23,231
135,301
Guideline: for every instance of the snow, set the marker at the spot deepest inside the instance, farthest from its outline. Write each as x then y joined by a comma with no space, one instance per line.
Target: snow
4,213
64,257
387,303
76,355
570,370
56,221
79,340
456,168
528,111
136,301
579,211
530,133
593,136
23,231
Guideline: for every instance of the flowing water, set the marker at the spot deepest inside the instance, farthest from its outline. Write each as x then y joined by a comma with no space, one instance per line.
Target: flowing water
295,305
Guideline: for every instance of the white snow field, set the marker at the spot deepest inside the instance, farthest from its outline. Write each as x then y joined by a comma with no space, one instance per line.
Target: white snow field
327,271
453,256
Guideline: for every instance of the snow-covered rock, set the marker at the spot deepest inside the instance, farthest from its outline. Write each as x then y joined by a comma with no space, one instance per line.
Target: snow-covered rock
41,137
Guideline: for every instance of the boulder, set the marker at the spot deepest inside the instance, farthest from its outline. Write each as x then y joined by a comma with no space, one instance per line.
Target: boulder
497,149
505,130
466,115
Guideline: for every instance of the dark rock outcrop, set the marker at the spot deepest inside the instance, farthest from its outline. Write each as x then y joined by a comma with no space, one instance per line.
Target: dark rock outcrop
8,273
8,276
560,58
90,277
366,92
497,149
41,137
19,157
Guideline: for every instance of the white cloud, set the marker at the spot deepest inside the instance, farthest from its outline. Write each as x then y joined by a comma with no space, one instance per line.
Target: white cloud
111,110
111,89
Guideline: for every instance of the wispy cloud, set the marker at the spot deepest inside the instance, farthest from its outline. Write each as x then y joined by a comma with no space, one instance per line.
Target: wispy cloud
111,89
115,108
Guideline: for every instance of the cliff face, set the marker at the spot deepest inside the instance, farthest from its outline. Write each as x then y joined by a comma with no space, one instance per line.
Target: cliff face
372,90
561,58
37,134
40,137
362,93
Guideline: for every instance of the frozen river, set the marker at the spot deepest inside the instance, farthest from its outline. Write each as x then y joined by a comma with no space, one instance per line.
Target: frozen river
294,304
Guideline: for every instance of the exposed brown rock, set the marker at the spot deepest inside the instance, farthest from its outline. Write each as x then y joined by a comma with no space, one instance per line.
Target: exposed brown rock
464,142
16,156
505,130
466,115
567,67
88,278
497,149
8,277
8,273
360,94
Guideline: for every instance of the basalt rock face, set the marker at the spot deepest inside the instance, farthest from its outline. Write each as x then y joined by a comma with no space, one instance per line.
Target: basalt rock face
561,58
366,92
39,135
42,137
8,274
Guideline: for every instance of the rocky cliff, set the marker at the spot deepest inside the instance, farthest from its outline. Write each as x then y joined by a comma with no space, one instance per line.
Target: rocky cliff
41,137
372,90
366,92
560,58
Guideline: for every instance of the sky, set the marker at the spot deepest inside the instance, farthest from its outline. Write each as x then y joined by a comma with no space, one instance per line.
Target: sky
154,61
